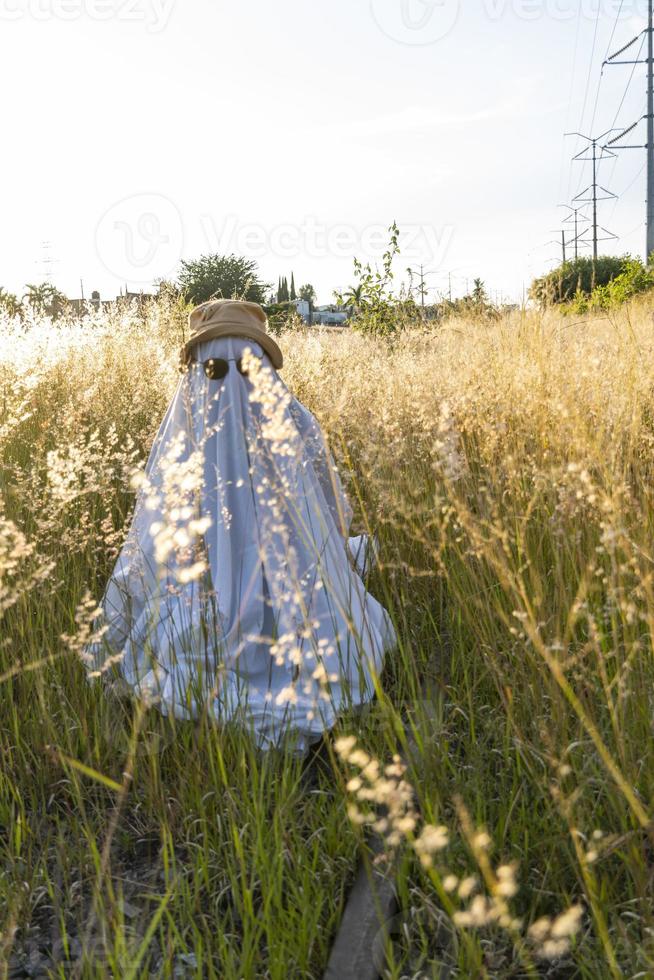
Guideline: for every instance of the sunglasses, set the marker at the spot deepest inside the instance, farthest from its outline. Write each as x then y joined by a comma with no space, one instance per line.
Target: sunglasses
216,368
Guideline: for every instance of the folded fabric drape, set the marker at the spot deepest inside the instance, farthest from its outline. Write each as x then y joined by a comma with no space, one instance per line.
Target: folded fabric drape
236,591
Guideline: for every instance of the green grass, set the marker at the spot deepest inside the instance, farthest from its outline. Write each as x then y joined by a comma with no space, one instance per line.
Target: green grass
523,650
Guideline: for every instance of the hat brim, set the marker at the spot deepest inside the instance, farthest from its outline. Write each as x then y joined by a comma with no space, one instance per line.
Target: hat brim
227,329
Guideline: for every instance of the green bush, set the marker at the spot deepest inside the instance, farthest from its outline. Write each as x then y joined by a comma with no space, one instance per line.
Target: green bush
635,278
583,275
221,277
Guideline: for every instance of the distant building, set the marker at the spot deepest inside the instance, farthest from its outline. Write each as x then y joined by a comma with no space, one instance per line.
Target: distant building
322,316
80,306
331,316
139,297
303,308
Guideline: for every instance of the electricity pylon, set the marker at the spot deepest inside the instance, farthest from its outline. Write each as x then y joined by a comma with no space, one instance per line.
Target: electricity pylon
649,116
574,216
597,192
423,276
563,243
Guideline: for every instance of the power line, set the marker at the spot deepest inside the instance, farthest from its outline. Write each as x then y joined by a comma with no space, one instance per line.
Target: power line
596,154
608,48
596,191
615,27
632,182
599,85
572,86
638,227
423,275
631,78
574,216
624,193
47,261
649,116
622,102
588,79
563,243
590,67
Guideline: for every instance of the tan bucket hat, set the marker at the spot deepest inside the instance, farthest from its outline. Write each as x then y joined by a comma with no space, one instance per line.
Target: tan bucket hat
230,318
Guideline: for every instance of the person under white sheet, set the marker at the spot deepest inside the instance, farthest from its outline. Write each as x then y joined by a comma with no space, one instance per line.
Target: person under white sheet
238,591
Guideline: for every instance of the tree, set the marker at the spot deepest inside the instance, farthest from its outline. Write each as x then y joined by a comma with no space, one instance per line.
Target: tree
354,296
45,299
9,302
580,276
475,303
308,293
479,295
379,311
283,295
293,293
635,279
282,290
37,295
221,277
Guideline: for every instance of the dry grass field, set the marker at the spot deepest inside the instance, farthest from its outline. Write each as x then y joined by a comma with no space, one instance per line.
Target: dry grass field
506,468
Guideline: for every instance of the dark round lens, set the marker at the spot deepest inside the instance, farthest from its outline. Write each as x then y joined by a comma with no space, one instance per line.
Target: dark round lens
216,369
241,367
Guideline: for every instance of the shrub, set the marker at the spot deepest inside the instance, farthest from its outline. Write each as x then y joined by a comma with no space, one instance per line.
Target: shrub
636,278
581,275
221,276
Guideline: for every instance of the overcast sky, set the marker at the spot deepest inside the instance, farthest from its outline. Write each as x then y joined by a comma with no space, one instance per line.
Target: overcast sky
140,132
